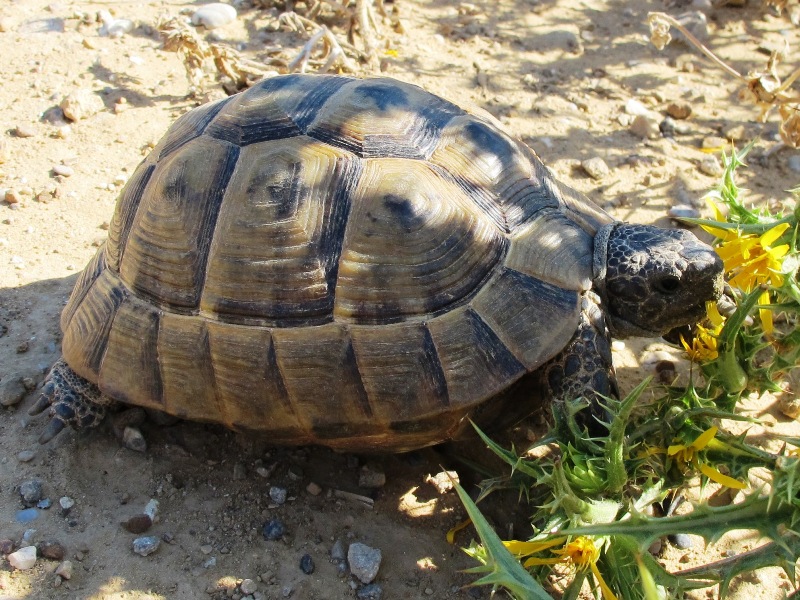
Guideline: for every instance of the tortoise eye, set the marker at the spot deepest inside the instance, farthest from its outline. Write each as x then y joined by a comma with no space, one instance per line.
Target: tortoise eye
668,284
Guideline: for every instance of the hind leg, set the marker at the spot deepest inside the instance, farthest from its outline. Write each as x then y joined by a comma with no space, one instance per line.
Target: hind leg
72,400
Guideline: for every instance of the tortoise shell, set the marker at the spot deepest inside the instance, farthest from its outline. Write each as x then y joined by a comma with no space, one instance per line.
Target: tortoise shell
355,263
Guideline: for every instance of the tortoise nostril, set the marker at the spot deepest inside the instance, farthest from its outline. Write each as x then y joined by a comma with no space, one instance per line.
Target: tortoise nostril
668,284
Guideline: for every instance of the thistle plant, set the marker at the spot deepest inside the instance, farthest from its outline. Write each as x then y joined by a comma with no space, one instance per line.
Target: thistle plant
600,502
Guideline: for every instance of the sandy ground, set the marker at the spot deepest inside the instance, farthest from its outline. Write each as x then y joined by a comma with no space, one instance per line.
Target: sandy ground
557,73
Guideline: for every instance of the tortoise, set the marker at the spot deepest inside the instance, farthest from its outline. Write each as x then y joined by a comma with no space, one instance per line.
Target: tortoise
360,264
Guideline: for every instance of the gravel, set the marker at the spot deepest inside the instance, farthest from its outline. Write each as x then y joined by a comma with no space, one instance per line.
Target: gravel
12,388
273,530
145,546
373,591
31,491
214,15
277,494
307,564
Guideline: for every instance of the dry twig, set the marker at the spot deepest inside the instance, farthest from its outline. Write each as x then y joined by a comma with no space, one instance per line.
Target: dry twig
763,87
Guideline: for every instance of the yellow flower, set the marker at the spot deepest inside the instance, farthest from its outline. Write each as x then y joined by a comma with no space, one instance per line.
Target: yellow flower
751,260
686,456
580,553
704,344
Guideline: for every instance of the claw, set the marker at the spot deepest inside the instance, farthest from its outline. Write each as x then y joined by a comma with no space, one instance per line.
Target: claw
42,404
53,428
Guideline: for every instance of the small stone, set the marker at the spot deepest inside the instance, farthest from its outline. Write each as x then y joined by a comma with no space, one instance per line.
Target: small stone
63,170
671,127
793,163
12,387
25,131
679,110
213,15
595,167
52,550
644,127
64,570
443,481
710,165
138,523
713,142
364,561
248,587
695,23
65,503
206,549
337,551
27,515
277,494
26,456
81,104
145,546
789,405
655,547
734,133
133,439
665,372
6,546
307,564
23,559
31,491
681,541
313,488
683,211
12,196
211,562
637,109
372,591
44,503
273,530
371,478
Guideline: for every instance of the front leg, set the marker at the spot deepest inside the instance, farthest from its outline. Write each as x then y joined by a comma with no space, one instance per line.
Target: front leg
72,400
584,368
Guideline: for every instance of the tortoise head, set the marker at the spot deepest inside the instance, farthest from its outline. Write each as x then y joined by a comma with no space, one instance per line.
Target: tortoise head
652,280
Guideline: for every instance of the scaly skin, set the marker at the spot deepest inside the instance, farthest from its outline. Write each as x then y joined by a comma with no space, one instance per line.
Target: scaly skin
72,400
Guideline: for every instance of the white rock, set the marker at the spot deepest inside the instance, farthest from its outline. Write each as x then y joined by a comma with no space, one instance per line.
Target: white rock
214,15
636,108
24,558
81,104
364,561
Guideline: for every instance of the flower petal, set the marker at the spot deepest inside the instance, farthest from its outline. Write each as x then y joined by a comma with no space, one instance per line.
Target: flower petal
703,439
607,593
721,479
773,234
518,548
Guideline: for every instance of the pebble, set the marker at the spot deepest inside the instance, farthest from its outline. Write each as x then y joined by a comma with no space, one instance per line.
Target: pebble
710,165
23,559
138,523
637,109
794,163
679,110
206,549
113,28
52,550
307,564
373,591
734,133
273,530
313,488
133,439
683,211
443,480
695,22
713,142
27,515
12,196
31,491
337,551
371,478
26,456
64,570
151,510
63,170
6,546
44,503
12,388
364,561
214,15
670,126
644,127
789,405
681,541
81,104
277,494
655,547
595,167
65,503
25,131
145,546
248,587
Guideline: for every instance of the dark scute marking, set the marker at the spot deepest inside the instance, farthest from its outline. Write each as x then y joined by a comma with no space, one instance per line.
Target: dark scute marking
128,205
350,373
274,375
209,224
403,210
150,365
419,426
504,364
191,125
97,351
339,431
432,370
383,95
85,280
306,111
347,173
487,138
